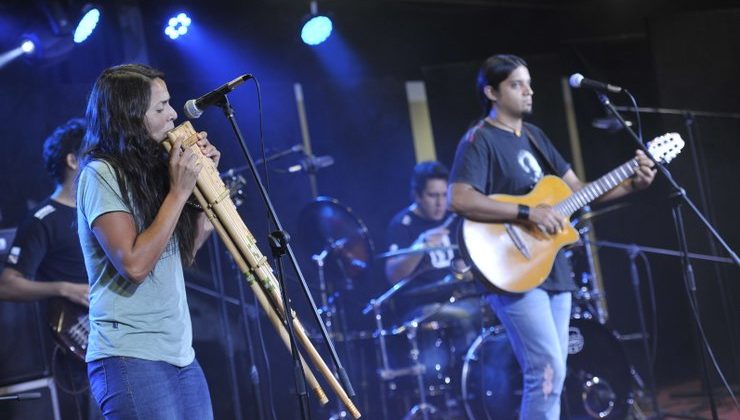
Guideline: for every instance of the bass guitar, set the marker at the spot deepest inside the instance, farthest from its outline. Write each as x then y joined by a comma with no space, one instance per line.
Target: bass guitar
517,257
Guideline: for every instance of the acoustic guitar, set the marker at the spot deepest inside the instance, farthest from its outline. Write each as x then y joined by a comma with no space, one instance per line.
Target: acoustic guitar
517,257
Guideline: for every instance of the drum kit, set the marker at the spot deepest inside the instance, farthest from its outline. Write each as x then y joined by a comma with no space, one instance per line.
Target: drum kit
439,350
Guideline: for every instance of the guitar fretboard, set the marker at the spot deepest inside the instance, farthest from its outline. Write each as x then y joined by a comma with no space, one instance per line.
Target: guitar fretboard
596,189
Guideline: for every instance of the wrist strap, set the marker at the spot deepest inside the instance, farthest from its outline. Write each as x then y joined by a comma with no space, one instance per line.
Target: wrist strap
522,212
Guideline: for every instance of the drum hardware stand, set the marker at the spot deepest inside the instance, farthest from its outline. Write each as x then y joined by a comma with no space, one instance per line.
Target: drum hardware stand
596,294
417,369
679,197
329,309
21,397
279,244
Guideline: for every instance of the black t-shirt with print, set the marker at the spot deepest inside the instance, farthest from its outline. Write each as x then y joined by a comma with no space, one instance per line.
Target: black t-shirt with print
405,228
496,161
46,246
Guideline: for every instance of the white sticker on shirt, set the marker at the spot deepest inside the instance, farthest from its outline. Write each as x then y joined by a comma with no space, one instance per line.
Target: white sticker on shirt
15,253
529,165
44,211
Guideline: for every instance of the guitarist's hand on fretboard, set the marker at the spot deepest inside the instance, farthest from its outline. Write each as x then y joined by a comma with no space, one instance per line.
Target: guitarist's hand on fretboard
644,174
547,219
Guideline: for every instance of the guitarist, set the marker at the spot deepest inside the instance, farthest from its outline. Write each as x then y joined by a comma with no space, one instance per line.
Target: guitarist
46,260
503,154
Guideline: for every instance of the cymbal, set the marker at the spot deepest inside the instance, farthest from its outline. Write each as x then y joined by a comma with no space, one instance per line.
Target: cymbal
586,216
327,225
444,286
414,250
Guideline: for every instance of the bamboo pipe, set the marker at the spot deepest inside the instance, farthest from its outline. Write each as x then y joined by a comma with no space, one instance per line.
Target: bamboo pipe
213,195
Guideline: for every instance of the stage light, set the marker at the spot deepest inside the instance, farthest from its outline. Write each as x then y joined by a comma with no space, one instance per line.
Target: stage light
86,26
177,26
28,46
317,28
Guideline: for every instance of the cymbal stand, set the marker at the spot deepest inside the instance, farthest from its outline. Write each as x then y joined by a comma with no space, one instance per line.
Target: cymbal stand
595,294
329,312
375,306
387,373
419,370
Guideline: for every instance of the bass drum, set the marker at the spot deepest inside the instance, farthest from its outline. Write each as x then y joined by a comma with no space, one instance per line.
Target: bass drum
597,383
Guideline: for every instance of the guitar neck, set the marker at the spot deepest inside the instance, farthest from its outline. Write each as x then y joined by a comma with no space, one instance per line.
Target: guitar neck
596,189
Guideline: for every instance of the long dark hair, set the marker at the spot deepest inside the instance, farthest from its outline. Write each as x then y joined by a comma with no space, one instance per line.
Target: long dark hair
492,72
116,133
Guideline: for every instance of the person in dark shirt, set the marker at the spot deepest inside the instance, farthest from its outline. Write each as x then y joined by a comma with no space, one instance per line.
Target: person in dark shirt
45,260
422,224
497,156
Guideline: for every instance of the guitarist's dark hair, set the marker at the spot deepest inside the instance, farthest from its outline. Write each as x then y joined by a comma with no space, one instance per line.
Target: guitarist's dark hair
492,72
423,172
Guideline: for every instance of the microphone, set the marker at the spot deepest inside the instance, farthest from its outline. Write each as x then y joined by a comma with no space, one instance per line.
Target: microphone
578,81
194,107
311,164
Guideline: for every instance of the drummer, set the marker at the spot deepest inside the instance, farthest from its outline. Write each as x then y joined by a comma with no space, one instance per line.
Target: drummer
437,273
423,224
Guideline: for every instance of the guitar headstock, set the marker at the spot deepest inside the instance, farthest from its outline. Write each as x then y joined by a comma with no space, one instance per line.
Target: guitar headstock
666,147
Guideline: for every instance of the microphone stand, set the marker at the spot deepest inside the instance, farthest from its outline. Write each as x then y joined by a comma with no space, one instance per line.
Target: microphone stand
279,245
632,251
690,117
679,197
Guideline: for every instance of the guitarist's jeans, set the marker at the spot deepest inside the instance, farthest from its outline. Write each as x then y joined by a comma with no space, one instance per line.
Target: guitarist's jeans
536,323
131,388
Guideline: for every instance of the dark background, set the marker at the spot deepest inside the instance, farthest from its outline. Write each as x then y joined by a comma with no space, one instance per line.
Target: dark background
671,54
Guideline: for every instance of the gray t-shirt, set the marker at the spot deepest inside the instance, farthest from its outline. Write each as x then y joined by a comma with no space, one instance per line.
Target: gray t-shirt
148,321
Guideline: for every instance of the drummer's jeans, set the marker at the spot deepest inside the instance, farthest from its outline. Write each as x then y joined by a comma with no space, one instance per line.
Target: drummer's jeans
536,323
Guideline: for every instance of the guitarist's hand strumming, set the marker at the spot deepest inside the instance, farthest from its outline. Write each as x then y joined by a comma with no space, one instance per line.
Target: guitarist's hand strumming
547,219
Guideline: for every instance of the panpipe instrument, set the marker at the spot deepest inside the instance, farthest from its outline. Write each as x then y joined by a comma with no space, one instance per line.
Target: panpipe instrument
213,196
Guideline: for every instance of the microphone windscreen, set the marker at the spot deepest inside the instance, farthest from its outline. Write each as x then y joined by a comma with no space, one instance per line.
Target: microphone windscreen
191,110
575,80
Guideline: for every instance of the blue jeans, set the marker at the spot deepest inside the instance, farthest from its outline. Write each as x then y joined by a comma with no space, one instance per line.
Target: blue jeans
536,323
130,388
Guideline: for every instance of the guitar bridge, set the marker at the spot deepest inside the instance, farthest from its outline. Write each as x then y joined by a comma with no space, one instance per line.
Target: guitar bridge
517,240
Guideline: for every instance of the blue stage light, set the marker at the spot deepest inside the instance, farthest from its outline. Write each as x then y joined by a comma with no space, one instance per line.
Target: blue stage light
87,24
28,46
177,26
316,30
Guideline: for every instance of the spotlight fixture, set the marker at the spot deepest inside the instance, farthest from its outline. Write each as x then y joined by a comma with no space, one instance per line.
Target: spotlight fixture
177,26
87,24
317,28
28,46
